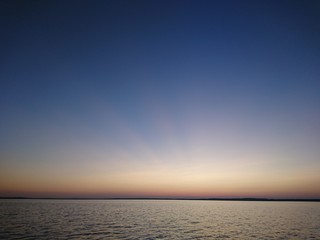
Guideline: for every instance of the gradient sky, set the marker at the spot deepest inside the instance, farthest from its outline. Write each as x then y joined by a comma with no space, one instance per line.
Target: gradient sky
160,98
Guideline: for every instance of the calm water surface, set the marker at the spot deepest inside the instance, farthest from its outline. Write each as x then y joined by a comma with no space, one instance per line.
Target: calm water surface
158,219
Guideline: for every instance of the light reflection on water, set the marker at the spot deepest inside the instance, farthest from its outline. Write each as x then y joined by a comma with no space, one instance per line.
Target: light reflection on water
158,219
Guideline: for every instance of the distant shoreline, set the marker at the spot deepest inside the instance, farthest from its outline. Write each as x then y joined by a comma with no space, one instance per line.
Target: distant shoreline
194,199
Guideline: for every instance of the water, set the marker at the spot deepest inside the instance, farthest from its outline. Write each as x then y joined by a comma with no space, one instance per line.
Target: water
158,219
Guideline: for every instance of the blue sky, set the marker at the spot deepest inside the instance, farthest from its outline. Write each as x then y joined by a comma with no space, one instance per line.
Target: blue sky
150,90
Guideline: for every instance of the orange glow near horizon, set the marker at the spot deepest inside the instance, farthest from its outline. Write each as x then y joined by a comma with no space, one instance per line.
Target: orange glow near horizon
163,180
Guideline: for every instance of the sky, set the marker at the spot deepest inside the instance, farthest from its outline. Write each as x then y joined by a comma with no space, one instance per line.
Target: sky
160,98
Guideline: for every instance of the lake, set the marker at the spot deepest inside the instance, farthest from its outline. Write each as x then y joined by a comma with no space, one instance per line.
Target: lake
158,219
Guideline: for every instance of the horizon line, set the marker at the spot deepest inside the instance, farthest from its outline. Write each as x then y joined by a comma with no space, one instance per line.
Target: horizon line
171,198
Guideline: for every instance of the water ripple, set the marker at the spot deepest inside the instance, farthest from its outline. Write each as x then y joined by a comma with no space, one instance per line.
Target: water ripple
138,219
